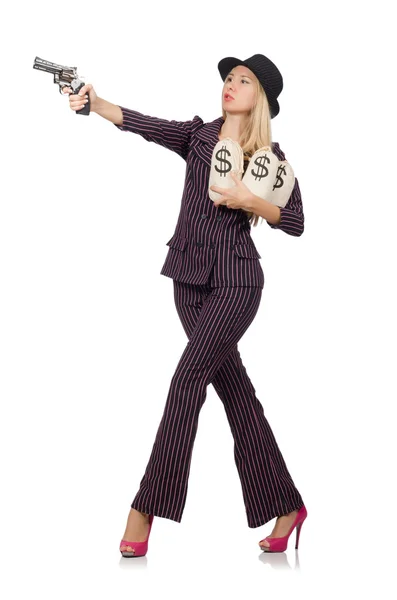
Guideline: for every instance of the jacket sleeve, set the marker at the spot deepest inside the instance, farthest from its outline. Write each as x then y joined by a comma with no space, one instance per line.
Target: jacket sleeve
292,217
174,135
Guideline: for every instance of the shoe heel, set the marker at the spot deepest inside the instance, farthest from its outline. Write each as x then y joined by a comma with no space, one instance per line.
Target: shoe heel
298,532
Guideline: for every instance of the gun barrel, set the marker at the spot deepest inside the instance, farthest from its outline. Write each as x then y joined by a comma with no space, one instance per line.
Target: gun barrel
50,67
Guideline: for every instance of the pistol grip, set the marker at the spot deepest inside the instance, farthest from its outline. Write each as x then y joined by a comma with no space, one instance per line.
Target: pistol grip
86,109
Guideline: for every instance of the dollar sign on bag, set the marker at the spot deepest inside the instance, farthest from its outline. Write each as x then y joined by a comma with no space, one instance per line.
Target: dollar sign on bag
279,181
221,157
260,162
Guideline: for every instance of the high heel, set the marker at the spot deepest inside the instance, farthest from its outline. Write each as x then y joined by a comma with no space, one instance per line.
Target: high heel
140,548
279,544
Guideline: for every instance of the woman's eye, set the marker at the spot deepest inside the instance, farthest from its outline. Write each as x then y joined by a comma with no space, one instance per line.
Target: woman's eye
243,80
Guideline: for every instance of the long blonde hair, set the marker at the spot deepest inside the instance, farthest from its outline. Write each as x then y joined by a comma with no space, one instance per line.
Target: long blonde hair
258,132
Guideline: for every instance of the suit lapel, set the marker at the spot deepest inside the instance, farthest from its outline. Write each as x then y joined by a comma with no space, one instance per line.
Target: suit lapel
206,138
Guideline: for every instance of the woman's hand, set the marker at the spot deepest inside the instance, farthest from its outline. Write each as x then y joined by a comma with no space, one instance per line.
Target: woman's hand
78,101
235,197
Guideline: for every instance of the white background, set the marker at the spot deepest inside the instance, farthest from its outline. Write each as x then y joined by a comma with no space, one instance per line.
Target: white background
90,336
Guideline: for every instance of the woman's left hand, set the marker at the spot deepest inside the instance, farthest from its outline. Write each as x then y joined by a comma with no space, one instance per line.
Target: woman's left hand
236,197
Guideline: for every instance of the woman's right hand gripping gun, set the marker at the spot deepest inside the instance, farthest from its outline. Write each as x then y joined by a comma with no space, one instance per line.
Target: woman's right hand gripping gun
78,101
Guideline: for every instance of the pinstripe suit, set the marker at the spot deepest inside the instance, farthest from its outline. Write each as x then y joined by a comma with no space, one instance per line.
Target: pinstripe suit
218,283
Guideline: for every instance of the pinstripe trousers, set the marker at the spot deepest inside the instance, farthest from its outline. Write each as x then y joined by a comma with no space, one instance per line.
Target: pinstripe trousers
215,319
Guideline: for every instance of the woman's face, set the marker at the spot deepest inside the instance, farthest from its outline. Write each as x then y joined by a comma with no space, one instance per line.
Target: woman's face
240,85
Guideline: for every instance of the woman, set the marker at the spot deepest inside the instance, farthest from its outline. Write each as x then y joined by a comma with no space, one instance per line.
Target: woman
218,284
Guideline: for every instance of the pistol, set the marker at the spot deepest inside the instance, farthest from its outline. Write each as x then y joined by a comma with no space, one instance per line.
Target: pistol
64,76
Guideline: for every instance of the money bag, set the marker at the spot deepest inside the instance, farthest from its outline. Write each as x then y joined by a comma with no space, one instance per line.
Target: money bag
266,176
227,156
261,172
282,185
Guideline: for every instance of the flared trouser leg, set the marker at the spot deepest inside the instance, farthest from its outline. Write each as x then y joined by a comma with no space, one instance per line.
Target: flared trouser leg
267,486
214,321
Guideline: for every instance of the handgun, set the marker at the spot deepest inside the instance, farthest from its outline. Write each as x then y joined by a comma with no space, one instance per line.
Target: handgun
64,76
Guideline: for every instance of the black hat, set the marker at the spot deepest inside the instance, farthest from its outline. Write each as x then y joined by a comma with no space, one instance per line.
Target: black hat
265,70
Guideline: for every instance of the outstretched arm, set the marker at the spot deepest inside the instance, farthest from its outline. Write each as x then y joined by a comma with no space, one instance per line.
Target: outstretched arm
174,135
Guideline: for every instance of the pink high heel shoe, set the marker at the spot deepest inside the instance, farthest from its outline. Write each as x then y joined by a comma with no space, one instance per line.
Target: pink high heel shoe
140,548
279,544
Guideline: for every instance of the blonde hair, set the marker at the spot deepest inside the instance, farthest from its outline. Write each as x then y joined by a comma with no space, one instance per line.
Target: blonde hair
258,132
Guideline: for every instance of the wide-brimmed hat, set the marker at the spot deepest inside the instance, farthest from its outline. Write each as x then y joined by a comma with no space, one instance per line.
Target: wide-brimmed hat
265,70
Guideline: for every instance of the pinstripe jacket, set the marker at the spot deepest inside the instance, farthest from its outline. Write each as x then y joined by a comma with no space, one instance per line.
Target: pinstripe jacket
210,244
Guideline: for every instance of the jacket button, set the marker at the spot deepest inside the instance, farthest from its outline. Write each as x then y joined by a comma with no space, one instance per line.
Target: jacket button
203,216
199,244
219,218
212,245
